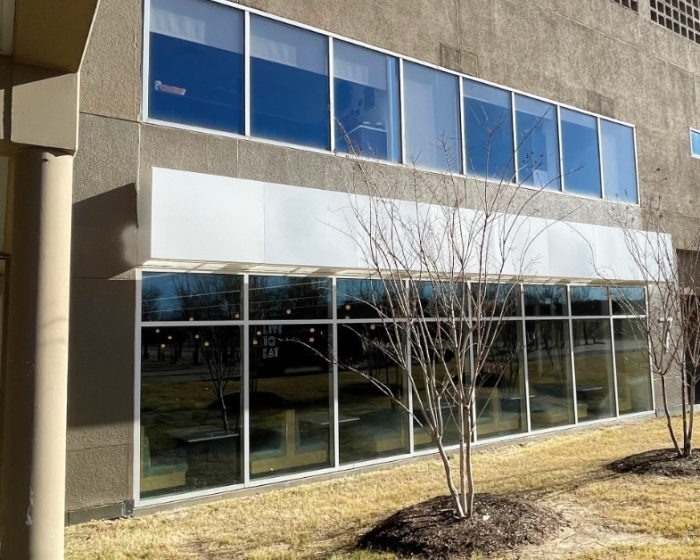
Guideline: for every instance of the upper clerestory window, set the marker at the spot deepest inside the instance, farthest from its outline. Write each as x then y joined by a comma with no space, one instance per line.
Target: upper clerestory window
196,64
367,111
217,67
289,84
695,143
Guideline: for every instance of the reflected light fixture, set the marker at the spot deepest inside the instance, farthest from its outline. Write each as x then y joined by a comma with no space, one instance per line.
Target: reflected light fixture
312,329
157,331
289,311
311,339
206,343
255,342
348,307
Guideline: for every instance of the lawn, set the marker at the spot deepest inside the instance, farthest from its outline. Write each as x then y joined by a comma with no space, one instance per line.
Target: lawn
609,515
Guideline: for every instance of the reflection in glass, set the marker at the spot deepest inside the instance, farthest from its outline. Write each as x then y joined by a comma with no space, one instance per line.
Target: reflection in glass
191,421
371,423
595,391
579,145
496,300
284,297
589,300
628,301
443,299
619,167
549,372
489,131
366,102
289,84
196,64
190,297
632,364
545,301
290,416
367,299
500,409
432,118
538,145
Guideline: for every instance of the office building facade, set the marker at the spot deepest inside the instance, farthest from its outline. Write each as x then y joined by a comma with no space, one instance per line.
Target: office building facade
217,280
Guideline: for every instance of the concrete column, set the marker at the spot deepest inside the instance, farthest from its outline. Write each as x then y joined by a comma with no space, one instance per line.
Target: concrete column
32,502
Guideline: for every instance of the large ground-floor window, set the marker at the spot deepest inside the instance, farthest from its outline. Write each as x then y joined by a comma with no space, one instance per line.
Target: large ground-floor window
248,378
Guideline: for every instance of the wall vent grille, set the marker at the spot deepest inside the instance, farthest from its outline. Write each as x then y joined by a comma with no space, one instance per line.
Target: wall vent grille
680,16
631,4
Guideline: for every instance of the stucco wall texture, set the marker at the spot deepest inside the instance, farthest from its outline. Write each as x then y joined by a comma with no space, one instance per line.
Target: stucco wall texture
590,54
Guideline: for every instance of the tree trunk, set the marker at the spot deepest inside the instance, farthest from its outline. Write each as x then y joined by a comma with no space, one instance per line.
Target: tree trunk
459,511
667,413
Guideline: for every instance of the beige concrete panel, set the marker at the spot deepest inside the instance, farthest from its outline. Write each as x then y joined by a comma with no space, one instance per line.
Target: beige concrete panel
52,34
187,151
44,108
101,363
415,28
104,194
98,476
111,72
100,435
556,57
275,164
108,156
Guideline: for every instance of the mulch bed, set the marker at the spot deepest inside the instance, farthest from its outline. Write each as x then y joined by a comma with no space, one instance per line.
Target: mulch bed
662,462
430,529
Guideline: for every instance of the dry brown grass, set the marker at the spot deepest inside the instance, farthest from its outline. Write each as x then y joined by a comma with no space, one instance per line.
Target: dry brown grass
323,520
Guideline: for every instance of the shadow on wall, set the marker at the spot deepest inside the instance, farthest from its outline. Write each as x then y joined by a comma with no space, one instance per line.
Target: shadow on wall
105,234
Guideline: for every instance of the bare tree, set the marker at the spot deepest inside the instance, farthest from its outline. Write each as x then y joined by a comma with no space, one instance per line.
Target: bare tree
671,331
448,255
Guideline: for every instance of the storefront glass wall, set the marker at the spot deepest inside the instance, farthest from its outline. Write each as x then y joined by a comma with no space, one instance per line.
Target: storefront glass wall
245,378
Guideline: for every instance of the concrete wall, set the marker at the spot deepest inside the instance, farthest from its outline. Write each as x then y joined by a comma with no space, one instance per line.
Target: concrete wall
591,54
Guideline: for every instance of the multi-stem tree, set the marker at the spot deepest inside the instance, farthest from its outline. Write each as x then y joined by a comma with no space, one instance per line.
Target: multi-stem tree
671,331
449,253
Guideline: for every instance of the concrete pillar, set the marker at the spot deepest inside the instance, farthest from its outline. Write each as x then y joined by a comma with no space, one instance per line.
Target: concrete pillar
32,499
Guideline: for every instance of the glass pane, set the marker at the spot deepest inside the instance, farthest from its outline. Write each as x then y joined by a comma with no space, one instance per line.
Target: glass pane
500,408
589,300
367,299
619,170
372,424
191,420
579,144
545,301
196,64
496,300
289,84
432,118
290,416
538,146
628,301
595,392
489,131
444,299
279,297
190,297
695,143
632,364
366,102
549,372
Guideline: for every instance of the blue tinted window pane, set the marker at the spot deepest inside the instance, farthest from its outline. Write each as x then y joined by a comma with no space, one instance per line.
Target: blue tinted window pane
366,102
432,118
196,64
538,146
579,145
695,143
289,84
489,131
619,170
